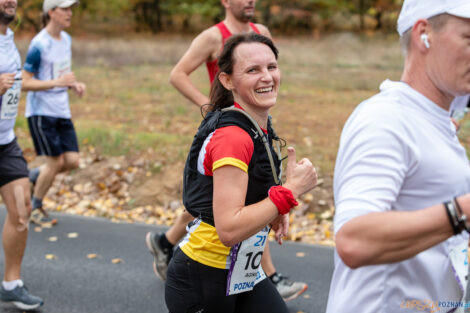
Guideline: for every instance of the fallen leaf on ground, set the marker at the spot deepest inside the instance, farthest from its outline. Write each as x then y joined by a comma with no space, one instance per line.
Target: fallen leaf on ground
300,254
53,238
92,256
308,198
50,257
307,296
37,229
116,261
103,188
72,235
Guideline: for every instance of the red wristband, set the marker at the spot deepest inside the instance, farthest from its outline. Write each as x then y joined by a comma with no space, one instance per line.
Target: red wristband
282,198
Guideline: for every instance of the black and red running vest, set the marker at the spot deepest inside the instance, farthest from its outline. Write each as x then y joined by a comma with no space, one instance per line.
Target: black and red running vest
198,188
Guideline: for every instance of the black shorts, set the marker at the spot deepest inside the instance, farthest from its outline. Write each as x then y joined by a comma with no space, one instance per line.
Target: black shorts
12,163
52,136
193,287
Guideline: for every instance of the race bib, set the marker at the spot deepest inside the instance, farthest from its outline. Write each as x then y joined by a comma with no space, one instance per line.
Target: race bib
62,67
10,100
459,260
245,267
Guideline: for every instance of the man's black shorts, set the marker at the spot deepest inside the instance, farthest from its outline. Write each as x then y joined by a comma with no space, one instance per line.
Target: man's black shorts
52,136
12,163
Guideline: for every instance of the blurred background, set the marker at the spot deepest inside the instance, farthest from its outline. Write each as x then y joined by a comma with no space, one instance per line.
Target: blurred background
135,129
112,17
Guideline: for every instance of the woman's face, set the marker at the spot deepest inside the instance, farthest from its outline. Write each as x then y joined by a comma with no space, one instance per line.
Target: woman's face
61,16
255,77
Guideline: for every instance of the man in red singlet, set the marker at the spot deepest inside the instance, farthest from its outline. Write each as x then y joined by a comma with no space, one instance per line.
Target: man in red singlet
206,48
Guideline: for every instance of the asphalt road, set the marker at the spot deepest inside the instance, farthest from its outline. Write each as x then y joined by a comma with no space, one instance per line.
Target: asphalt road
73,283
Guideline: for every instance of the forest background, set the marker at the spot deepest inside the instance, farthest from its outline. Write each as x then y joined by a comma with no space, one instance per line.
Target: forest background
135,129
281,16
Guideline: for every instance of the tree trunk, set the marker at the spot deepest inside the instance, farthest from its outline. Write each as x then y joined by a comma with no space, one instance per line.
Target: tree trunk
361,13
378,18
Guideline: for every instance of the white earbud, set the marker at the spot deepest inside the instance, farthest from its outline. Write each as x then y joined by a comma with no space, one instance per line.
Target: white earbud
425,40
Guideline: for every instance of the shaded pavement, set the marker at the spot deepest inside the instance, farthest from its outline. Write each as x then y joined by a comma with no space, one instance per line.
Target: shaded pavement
73,283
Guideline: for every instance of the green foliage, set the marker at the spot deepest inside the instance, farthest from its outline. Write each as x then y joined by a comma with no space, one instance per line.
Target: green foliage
29,12
159,15
208,8
112,8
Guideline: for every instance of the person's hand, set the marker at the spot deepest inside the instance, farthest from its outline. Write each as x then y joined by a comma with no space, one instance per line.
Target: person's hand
66,80
79,88
6,82
301,176
281,226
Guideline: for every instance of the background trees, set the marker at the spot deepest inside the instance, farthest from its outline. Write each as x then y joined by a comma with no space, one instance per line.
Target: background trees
193,15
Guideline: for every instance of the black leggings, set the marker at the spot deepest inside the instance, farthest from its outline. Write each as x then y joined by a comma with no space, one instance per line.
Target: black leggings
192,287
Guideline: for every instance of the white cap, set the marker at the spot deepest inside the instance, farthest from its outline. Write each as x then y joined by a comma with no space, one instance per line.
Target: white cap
51,4
413,10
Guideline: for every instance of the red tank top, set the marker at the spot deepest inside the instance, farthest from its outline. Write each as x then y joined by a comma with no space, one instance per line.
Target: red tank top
212,66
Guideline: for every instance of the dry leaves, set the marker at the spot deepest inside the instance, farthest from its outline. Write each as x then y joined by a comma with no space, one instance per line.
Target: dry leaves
46,225
104,192
50,257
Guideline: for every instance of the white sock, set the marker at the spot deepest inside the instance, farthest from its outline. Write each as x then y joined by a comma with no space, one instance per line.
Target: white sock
10,285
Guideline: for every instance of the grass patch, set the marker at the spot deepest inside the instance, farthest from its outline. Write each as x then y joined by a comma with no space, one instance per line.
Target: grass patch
119,141
131,106
108,141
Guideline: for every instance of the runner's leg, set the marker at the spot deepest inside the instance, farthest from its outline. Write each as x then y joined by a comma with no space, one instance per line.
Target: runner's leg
289,290
161,244
15,234
263,298
267,261
194,287
178,230
71,159
47,174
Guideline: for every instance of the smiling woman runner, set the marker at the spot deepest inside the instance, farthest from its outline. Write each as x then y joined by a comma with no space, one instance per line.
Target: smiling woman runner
231,186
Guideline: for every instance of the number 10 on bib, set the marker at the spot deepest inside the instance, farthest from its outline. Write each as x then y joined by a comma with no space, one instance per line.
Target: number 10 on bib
245,268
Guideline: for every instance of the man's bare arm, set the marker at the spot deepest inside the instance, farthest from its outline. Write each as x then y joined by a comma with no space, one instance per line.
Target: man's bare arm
264,30
203,48
32,84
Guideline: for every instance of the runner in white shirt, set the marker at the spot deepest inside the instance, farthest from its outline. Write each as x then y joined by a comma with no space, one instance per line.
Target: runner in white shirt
460,107
14,184
47,75
399,247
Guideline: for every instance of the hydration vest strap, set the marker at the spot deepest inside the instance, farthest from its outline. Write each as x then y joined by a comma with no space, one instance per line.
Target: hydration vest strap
277,179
